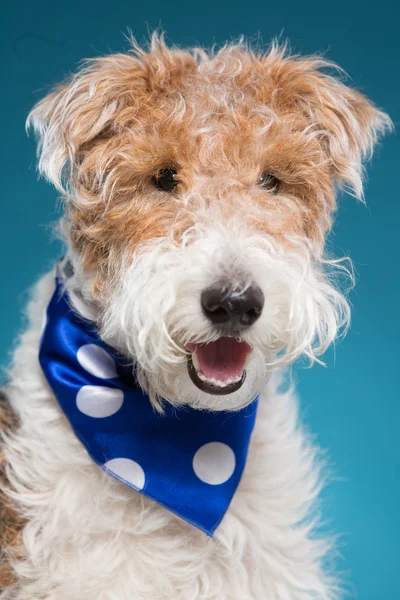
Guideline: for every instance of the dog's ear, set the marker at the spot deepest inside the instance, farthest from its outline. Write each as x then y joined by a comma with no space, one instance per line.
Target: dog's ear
348,124
77,112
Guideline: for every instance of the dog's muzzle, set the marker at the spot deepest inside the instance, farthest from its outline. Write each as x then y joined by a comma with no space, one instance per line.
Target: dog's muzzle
218,367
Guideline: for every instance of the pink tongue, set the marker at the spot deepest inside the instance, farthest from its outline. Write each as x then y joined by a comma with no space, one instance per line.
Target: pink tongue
222,359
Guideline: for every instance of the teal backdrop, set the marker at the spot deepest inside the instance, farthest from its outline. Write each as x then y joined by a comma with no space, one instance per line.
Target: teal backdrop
352,405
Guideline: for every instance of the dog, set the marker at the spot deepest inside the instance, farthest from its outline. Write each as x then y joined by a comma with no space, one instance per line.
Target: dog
199,187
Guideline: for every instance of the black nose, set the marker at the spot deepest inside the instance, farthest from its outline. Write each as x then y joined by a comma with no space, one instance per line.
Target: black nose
232,309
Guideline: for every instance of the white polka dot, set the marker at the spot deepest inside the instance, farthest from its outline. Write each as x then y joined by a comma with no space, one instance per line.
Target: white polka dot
96,361
214,463
128,470
99,401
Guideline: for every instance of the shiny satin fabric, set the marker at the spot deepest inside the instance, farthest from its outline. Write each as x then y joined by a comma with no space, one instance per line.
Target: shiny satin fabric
187,460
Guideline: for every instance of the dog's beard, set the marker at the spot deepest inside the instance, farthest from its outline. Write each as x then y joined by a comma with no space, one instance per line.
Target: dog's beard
154,312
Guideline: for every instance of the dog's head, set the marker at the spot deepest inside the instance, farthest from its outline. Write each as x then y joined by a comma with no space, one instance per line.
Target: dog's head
199,188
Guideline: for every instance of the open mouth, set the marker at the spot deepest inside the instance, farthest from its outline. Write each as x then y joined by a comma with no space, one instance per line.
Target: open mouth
218,367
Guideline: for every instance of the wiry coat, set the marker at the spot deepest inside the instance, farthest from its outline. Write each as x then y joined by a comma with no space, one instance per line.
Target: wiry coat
141,259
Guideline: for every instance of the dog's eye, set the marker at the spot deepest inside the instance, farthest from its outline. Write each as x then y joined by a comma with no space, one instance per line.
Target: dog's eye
269,182
166,179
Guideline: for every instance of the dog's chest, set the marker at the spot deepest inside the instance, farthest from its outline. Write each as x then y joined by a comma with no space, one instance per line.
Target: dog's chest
88,536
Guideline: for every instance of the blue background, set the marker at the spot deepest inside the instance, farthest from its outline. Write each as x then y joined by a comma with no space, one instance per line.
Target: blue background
353,405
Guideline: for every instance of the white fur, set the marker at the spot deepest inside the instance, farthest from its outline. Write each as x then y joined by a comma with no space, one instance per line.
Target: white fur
88,536
154,309
92,538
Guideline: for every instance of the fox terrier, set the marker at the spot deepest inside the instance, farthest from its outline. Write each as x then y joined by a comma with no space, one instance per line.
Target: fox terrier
150,449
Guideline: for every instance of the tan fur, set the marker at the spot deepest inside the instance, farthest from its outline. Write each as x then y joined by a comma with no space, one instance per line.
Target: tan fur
10,522
220,120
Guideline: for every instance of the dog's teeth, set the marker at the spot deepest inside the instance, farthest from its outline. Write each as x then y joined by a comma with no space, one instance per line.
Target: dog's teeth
218,382
195,362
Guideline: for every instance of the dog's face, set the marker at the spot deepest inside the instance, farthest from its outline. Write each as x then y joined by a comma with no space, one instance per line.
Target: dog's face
199,189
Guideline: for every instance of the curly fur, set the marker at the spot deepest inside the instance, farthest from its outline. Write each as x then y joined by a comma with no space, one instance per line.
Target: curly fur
88,536
10,520
141,258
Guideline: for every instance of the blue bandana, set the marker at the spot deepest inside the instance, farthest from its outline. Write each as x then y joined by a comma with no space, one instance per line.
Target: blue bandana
187,460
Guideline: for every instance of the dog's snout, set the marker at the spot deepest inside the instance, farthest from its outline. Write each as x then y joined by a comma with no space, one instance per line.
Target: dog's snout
232,309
